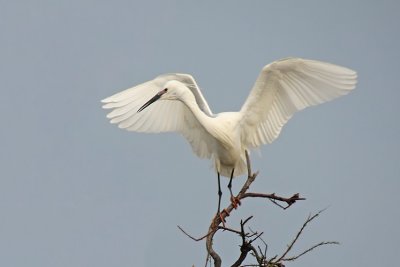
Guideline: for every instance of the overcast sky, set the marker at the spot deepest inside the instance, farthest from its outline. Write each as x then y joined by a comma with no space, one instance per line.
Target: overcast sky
77,191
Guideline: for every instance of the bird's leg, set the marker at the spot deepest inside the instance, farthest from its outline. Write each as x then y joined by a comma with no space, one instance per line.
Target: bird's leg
234,200
219,201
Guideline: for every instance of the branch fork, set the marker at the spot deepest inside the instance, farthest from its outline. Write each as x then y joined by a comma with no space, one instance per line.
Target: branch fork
248,238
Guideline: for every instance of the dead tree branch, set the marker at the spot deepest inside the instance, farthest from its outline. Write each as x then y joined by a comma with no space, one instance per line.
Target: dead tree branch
248,238
283,257
274,198
214,226
311,248
261,255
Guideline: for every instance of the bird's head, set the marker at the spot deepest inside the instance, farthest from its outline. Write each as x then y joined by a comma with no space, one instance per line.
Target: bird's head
173,90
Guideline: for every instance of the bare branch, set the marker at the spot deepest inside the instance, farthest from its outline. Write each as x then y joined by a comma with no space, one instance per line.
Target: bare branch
195,239
309,219
311,248
248,164
246,246
217,220
289,201
229,229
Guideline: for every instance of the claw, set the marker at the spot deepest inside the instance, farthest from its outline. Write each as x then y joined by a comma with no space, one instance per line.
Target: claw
235,201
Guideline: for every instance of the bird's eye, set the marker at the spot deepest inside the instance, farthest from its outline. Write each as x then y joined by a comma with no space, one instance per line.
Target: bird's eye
166,90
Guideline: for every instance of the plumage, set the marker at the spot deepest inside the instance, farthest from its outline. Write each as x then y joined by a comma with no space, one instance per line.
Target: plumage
281,89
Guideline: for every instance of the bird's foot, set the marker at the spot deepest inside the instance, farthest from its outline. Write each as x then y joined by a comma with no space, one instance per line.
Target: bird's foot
235,201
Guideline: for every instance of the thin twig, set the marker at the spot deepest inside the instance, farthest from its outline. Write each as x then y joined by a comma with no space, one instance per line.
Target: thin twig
229,229
195,239
311,248
289,201
309,219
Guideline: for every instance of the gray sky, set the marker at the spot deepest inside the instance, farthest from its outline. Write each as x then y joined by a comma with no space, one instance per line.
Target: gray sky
77,191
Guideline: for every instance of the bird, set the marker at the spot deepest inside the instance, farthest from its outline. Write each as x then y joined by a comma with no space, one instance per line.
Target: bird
173,102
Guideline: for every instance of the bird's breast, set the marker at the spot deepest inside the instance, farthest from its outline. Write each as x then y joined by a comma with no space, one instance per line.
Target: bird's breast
228,158
228,146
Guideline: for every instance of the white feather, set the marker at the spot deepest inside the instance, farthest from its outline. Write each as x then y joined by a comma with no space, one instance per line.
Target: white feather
285,87
281,89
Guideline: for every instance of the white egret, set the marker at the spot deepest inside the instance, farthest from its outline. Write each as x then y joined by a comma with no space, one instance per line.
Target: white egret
174,103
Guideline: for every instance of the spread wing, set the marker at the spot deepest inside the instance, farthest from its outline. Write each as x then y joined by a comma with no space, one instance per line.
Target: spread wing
285,87
161,116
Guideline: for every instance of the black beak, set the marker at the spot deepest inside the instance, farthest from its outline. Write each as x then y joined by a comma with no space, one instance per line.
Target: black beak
152,100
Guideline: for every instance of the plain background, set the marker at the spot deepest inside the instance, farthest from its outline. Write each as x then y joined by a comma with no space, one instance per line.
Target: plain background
77,191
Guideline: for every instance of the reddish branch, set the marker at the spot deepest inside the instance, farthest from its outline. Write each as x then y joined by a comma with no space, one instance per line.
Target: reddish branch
214,226
249,238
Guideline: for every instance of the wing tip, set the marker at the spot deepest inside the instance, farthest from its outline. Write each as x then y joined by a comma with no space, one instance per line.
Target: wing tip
281,63
106,100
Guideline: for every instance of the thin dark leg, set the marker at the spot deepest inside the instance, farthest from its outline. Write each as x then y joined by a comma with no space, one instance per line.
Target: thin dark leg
219,201
219,193
230,182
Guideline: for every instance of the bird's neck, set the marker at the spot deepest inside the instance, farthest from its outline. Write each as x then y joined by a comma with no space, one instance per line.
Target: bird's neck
189,100
210,124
